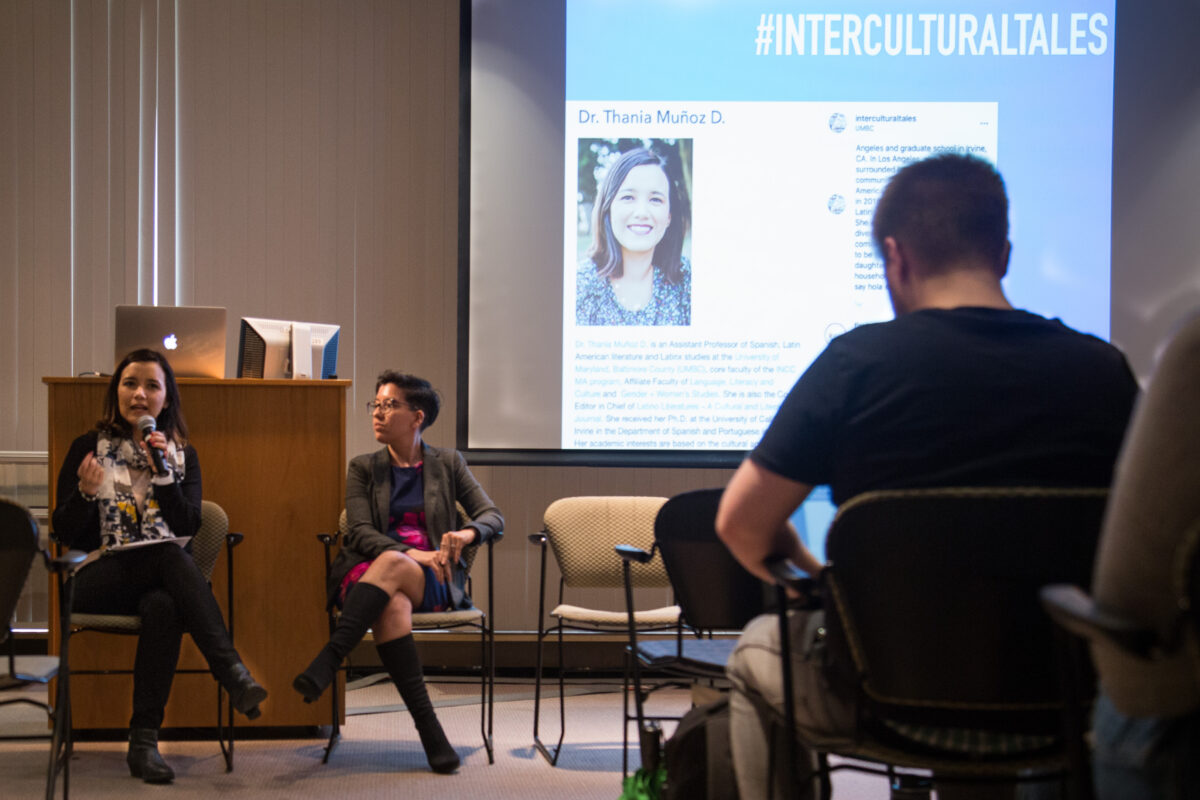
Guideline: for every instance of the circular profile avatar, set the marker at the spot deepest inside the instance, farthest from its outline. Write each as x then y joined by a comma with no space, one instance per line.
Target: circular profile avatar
635,272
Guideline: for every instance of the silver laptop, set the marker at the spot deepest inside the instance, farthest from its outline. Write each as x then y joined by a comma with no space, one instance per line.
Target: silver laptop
191,337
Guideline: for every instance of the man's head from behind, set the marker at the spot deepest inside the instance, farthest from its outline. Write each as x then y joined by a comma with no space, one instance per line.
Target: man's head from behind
944,214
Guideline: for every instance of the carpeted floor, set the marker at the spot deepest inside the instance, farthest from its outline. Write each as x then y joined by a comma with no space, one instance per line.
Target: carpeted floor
379,755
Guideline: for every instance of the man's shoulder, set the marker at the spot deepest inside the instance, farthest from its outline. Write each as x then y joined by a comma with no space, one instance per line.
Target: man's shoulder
982,322
970,342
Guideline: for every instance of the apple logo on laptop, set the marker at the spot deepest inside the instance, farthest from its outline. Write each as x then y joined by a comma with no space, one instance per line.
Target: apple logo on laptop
170,341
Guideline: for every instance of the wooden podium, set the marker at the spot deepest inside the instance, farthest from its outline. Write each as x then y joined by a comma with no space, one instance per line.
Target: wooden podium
273,455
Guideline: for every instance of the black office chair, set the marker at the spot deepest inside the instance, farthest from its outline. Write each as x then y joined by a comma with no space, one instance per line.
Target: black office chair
18,547
932,612
473,617
714,593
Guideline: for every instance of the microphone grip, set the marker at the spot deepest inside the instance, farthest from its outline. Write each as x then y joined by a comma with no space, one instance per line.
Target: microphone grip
160,467
145,427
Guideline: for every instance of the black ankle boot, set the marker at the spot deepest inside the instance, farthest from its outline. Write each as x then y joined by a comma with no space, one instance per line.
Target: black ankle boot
400,659
364,603
143,758
245,692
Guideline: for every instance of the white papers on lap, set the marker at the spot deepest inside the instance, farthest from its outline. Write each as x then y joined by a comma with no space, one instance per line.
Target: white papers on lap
116,548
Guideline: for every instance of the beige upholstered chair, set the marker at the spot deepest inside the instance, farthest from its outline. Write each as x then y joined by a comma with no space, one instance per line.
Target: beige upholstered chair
582,532
472,617
210,538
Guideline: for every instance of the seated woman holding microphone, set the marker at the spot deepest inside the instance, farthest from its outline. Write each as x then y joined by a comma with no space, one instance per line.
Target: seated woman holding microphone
403,550
135,479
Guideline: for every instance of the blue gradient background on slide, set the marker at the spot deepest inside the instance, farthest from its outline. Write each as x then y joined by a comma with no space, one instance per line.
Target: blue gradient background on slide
1055,111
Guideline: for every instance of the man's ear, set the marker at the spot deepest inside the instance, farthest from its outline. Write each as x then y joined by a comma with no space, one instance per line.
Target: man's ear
1004,262
895,264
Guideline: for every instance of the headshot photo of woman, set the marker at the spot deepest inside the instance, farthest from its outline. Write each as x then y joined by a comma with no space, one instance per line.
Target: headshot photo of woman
635,271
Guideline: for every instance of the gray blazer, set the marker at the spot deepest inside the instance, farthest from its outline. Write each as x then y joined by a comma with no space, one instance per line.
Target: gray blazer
447,482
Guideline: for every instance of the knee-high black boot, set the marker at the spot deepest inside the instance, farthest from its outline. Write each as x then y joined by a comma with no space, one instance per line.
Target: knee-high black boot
364,603
400,659
202,619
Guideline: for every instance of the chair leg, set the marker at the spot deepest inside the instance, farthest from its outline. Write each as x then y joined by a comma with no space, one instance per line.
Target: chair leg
335,725
227,752
487,686
59,749
537,693
1072,656
225,729
631,668
61,740
551,755
826,785
789,708
626,717
488,632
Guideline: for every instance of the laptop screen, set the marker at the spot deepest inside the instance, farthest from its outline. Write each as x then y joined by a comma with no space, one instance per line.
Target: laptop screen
191,337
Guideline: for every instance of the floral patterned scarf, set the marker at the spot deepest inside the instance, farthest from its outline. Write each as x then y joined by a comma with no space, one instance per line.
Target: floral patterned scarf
128,510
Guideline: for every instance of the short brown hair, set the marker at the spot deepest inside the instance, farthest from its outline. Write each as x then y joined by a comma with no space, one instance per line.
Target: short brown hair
945,208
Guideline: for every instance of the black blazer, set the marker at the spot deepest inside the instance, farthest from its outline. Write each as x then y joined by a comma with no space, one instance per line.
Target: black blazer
369,493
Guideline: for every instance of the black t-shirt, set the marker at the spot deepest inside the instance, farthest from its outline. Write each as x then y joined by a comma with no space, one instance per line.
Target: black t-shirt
959,397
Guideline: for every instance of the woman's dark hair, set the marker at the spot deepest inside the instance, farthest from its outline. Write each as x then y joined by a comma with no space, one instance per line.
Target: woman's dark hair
170,420
605,252
417,391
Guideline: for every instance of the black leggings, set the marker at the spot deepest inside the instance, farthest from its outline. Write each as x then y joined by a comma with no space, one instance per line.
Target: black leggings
161,584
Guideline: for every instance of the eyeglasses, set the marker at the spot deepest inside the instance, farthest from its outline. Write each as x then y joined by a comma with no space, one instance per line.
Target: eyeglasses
387,406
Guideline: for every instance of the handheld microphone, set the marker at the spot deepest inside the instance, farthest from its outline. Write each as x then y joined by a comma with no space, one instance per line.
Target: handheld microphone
146,426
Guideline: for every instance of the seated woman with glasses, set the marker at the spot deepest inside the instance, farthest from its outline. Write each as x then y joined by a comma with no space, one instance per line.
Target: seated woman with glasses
403,551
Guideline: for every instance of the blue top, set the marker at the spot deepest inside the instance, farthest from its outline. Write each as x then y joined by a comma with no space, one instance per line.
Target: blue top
406,522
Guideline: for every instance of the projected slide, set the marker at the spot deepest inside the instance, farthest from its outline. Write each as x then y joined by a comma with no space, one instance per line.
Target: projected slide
717,224
670,200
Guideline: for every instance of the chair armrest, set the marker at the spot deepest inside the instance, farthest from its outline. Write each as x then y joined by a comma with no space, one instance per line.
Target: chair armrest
789,576
538,538
628,552
1076,611
234,538
64,563
327,539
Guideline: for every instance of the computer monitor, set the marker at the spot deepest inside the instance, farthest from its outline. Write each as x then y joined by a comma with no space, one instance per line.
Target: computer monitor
276,348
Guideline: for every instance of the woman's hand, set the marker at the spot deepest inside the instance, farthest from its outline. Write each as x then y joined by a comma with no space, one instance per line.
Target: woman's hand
454,542
91,475
157,440
431,559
